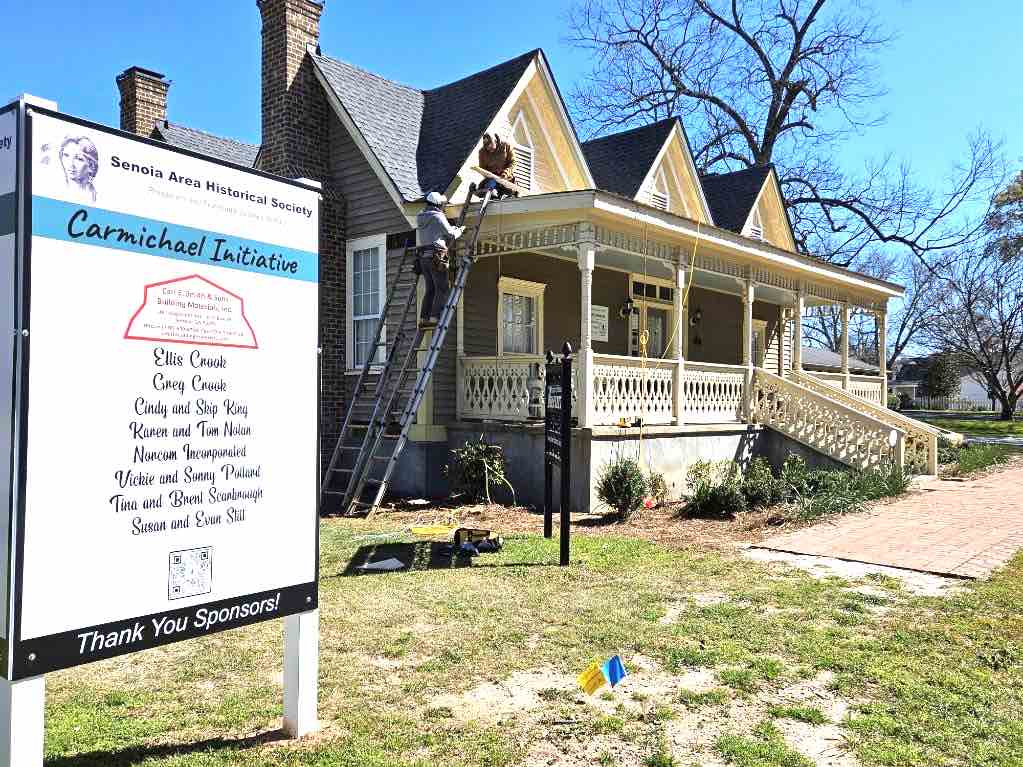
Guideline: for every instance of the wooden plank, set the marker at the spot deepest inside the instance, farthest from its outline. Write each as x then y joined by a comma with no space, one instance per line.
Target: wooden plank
503,182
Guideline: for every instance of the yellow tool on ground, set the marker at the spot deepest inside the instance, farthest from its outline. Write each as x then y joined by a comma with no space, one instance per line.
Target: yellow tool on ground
433,531
592,678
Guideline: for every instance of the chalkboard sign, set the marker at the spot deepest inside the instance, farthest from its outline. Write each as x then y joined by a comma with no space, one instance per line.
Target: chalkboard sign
558,442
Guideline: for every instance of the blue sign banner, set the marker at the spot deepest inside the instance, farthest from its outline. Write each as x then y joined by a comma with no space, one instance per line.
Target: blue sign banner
88,225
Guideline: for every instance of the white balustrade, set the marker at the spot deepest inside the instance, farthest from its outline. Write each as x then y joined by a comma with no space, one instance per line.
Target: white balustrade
921,438
497,388
870,388
625,387
838,430
712,393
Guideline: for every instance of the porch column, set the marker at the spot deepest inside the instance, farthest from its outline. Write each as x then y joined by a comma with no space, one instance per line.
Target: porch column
845,345
797,340
747,341
881,321
584,359
681,325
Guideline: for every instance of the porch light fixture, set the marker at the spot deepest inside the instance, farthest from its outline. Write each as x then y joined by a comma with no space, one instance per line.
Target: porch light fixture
695,317
628,309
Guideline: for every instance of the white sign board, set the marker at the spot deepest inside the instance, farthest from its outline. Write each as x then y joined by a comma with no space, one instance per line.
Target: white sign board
8,303
599,319
171,458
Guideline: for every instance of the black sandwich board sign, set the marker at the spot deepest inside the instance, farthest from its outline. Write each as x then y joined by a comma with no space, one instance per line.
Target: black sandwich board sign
558,444
159,393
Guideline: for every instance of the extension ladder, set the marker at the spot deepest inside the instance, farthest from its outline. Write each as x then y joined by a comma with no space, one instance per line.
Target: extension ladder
385,400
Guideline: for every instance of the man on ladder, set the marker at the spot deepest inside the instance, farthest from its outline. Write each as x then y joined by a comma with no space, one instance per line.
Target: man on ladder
432,233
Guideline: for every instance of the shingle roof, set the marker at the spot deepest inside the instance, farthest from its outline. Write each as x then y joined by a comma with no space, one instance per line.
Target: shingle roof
421,138
621,161
825,358
731,196
206,143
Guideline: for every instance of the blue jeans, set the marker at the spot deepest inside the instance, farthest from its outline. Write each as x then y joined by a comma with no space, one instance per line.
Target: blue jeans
435,284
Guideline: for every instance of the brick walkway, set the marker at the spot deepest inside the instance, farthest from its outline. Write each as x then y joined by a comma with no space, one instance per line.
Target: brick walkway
967,529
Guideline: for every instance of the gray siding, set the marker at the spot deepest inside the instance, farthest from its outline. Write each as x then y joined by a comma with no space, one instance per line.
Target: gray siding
370,209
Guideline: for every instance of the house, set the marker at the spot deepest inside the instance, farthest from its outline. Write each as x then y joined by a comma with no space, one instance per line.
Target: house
615,242
909,380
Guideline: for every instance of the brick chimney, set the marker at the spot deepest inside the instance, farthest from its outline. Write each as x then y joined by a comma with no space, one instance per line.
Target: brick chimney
143,99
294,109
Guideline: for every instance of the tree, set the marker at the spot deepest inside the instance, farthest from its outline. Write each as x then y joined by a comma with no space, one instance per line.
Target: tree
979,318
783,82
1005,220
943,377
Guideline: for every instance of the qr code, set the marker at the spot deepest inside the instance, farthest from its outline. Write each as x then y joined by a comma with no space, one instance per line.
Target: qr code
190,573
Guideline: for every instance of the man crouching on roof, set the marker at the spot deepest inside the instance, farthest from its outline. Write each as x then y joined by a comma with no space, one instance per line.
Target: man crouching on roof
432,231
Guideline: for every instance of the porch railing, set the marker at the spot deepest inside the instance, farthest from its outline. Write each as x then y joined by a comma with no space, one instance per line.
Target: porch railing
625,388
870,388
497,388
806,411
712,393
921,449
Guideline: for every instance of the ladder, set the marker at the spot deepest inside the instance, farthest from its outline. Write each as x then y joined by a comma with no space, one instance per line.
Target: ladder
387,396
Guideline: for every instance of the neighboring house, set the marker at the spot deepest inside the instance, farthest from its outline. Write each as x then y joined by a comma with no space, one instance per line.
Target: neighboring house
615,240
910,378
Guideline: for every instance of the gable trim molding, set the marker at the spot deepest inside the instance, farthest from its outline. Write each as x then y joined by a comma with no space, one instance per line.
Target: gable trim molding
687,153
756,204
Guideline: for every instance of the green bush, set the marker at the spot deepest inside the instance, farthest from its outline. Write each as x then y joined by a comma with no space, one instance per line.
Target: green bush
980,456
894,401
722,501
760,487
622,486
795,476
657,487
827,492
475,467
948,451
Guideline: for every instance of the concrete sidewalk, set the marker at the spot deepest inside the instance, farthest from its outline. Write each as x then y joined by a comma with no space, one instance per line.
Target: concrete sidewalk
965,529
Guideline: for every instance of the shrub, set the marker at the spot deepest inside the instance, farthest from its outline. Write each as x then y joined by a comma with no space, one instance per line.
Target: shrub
948,451
795,476
894,401
760,487
622,486
657,487
721,501
828,492
475,467
980,456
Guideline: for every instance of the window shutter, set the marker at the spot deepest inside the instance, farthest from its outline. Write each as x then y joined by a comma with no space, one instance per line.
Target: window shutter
523,167
756,230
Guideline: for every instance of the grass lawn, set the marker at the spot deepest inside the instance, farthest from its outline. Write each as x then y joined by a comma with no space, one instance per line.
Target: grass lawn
980,426
731,661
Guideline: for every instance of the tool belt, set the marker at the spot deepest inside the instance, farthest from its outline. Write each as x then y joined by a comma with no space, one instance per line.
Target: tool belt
439,257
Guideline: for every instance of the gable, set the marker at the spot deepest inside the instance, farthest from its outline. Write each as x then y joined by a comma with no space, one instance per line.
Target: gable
672,183
534,121
770,217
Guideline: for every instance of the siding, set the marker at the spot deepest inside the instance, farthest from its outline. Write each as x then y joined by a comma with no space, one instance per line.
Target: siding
370,209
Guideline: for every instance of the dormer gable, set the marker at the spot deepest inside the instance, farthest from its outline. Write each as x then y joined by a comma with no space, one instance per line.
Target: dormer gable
768,220
749,202
533,119
653,165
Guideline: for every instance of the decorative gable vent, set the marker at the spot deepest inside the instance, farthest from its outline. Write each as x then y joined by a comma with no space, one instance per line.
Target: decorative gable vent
522,145
756,229
659,193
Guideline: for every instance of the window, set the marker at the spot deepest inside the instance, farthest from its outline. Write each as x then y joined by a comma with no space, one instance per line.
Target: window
520,316
659,197
654,300
366,266
522,146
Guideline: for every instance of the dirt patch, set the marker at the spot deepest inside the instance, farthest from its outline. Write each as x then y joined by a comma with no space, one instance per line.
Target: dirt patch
920,584
494,702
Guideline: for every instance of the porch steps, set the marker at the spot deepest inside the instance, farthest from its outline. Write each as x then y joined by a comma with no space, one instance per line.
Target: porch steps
387,396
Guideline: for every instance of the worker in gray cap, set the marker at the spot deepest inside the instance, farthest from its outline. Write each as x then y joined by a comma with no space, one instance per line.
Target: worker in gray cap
432,233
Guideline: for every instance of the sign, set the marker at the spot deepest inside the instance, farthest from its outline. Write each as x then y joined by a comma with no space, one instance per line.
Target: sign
558,443
170,412
599,320
8,307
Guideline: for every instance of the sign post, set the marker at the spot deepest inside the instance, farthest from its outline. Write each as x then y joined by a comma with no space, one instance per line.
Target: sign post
558,444
165,479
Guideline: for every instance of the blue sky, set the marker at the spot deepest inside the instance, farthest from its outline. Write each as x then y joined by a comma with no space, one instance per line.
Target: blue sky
951,69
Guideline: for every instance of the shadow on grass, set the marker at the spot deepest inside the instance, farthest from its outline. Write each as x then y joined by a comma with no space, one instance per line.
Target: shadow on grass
138,755
419,556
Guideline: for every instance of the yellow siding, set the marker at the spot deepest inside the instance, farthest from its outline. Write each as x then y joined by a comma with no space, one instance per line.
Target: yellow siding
772,216
555,165
685,199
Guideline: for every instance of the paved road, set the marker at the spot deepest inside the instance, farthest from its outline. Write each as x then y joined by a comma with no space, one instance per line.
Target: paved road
967,529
